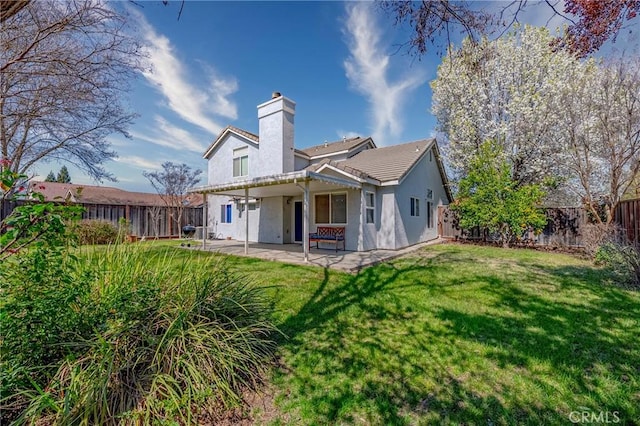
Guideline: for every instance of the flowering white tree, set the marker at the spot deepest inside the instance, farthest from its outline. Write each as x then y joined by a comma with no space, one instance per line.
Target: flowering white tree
553,115
505,91
599,126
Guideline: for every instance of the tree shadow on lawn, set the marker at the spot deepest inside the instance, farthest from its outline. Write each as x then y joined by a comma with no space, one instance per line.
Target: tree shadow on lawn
379,348
589,345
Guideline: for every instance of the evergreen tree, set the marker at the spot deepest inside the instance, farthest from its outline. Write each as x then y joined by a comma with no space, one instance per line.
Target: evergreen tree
63,175
50,177
491,199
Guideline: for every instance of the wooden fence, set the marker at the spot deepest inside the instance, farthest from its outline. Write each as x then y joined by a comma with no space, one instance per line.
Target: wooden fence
627,216
144,220
563,228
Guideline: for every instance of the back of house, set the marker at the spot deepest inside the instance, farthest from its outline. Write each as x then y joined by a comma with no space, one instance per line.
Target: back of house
384,198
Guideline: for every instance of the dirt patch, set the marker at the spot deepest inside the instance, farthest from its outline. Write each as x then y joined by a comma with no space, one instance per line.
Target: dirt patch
258,408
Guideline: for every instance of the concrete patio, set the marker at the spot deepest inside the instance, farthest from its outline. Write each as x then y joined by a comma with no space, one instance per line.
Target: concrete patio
349,261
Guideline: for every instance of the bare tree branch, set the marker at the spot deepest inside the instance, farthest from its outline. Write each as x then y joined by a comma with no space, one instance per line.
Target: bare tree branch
171,183
65,67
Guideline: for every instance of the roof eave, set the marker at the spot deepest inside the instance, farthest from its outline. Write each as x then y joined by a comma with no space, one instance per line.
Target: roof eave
221,136
415,162
292,177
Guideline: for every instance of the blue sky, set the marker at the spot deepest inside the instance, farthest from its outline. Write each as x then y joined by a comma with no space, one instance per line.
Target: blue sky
340,62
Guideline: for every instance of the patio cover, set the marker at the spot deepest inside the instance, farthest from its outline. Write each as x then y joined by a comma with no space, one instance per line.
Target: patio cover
285,184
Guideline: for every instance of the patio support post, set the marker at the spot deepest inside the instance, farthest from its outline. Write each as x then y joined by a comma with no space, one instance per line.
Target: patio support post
305,227
246,221
204,219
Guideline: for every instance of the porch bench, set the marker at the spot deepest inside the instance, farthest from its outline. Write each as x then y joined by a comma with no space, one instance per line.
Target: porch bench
328,234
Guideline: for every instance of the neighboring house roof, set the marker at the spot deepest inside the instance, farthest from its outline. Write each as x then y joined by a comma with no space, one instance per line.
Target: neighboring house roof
330,148
390,163
226,131
91,194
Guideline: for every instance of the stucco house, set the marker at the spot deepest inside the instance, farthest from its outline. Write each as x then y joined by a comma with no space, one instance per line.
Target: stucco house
261,188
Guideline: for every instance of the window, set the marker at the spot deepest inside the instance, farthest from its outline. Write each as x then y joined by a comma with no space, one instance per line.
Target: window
429,214
331,208
429,194
241,162
322,208
415,206
225,213
253,205
370,207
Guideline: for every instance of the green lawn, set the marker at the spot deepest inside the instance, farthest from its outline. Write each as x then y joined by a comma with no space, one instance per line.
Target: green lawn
455,334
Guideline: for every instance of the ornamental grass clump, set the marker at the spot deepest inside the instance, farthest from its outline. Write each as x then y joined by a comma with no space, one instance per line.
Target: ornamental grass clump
171,340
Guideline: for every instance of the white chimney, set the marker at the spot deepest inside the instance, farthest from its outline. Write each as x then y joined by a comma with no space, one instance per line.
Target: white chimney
275,127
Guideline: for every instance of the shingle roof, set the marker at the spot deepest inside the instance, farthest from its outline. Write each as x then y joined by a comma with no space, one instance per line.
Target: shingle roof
91,194
244,133
224,131
333,147
340,165
389,163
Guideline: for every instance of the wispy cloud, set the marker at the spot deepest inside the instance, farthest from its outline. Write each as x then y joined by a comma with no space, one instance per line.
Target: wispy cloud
140,162
367,69
170,136
197,105
347,134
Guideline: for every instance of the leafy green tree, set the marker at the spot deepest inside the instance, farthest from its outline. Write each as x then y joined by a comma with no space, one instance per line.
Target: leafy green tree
51,177
63,175
488,197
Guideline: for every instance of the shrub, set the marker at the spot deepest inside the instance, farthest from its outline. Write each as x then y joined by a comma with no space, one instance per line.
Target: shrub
42,306
624,261
168,339
489,198
96,232
595,235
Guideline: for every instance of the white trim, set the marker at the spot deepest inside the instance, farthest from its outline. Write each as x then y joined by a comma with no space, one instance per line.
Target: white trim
342,172
331,154
222,138
416,206
239,154
251,200
292,177
431,215
349,175
364,142
414,165
366,207
280,98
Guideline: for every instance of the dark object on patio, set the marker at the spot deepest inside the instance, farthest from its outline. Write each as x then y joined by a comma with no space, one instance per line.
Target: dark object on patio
188,230
328,234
